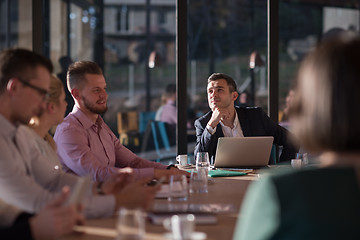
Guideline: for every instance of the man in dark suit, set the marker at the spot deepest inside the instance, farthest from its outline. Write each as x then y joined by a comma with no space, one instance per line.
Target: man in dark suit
226,120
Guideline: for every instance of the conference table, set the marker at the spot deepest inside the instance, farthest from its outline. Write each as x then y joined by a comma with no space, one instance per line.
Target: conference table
222,191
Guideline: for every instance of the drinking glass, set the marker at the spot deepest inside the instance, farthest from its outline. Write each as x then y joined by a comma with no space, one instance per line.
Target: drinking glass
304,159
199,180
178,188
130,224
202,160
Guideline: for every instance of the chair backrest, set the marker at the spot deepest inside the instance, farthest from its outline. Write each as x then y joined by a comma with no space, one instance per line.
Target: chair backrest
144,118
159,130
127,121
162,144
274,159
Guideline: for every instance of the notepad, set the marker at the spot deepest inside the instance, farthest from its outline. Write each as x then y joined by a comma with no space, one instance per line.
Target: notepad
224,173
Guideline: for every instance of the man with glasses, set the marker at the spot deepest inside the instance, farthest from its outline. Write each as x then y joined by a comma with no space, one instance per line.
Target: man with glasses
42,92
25,78
24,85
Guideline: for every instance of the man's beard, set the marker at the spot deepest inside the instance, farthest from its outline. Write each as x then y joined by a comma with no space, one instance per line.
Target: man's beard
92,108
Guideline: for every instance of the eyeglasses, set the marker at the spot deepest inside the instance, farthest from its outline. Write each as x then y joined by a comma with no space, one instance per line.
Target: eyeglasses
44,93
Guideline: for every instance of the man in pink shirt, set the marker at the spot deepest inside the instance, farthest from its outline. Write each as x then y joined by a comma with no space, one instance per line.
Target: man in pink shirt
86,145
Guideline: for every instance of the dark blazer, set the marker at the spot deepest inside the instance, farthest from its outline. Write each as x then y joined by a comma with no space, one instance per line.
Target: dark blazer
253,122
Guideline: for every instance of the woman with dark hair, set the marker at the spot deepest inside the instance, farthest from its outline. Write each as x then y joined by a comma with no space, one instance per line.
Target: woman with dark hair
319,202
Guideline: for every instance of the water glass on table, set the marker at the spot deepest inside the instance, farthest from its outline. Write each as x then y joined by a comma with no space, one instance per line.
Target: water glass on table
202,160
130,224
301,160
199,180
178,188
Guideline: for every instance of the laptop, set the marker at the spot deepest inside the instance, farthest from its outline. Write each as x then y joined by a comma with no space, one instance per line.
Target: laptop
243,152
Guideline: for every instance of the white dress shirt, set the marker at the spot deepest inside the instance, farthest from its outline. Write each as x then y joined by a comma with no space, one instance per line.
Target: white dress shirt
28,180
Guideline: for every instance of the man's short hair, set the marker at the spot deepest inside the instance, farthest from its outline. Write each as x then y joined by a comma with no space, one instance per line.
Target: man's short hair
76,73
170,90
229,80
19,63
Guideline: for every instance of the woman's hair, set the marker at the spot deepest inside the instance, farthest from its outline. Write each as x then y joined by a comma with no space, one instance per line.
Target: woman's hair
325,114
56,87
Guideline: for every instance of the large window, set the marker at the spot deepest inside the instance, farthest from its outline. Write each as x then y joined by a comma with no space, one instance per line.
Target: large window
15,24
302,25
134,42
73,26
223,35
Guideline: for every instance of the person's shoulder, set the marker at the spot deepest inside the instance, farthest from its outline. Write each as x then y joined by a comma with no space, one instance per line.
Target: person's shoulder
205,116
249,109
311,175
28,132
250,112
201,122
69,124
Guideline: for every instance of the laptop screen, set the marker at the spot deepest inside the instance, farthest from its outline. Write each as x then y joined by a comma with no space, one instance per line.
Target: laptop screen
243,152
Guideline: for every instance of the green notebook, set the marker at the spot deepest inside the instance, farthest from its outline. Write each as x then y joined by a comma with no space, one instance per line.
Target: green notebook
224,173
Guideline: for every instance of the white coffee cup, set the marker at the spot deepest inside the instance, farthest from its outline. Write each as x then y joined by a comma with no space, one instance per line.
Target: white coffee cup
296,163
182,159
181,226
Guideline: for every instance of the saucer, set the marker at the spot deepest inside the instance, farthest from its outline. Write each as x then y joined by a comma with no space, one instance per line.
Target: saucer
194,236
186,166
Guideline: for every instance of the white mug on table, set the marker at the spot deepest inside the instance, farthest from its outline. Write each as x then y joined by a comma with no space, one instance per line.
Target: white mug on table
181,226
182,159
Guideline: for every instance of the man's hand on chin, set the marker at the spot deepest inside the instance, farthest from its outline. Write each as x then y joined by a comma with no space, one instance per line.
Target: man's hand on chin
218,114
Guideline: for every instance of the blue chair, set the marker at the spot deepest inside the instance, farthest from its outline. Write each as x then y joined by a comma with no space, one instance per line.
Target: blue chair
144,118
161,140
274,155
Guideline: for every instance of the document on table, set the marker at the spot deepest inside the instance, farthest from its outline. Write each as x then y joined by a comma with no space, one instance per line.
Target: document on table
193,208
201,219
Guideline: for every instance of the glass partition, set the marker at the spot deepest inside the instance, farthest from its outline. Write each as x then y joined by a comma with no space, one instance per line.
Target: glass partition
15,24
228,37
302,25
134,42
139,42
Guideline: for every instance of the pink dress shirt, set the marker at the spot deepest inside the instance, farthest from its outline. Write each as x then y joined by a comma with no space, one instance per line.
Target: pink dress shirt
168,113
88,148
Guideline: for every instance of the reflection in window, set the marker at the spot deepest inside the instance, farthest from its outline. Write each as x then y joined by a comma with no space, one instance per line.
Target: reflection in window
302,24
15,24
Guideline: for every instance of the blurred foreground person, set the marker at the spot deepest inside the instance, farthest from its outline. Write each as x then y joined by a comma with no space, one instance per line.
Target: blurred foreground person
320,202
53,221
